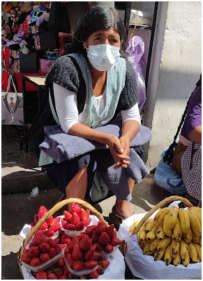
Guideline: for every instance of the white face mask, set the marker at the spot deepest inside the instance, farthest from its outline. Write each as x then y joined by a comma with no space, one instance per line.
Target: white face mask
103,56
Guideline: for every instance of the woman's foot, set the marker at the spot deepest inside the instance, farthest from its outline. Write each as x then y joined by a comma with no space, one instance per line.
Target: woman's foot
122,209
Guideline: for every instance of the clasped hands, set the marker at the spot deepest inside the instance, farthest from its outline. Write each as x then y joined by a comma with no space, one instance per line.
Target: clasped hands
119,148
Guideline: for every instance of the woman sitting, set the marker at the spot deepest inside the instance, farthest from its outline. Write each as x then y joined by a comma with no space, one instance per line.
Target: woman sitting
89,88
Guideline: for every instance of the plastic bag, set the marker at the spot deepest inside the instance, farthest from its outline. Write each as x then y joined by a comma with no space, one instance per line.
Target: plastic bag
145,267
135,50
168,179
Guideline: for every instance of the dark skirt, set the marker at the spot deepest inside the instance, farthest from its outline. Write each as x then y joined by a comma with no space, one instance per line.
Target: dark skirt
100,160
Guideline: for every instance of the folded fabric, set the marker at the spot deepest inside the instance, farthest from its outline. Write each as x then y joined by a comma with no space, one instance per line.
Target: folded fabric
61,146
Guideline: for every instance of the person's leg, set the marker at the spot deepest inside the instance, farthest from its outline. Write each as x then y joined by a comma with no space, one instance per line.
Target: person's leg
72,177
118,182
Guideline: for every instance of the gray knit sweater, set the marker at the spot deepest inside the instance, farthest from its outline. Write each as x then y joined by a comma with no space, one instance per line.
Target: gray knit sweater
67,74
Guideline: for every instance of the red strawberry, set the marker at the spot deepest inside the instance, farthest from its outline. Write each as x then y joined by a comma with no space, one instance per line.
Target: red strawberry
42,211
35,262
116,242
52,242
44,226
75,239
75,218
100,269
90,264
50,220
108,248
59,272
52,276
63,277
104,238
97,256
90,229
63,222
41,275
79,226
94,274
111,231
66,240
75,208
101,226
104,263
49,233
68,215
33,251
69,259
36,218
44,257
52,252
39,237
26,259
69,226
77,265
44,247
95,236
90,253
98,247
85,243
76,253
61,262
87,221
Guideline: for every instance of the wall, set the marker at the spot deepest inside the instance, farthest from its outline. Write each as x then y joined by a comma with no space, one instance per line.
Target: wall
180,66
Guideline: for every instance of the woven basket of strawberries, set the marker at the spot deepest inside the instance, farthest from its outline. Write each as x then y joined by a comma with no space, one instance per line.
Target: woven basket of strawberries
79,244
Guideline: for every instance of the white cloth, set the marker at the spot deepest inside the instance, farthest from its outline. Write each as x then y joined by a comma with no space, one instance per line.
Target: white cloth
67,110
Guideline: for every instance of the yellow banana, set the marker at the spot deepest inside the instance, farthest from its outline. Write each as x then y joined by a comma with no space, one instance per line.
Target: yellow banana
159,232
163,244
184,220
159,255
175,246
177,232
141,233
158,219
177,260
153,245
146,249
198,212
195,223
169,221
151,234
149,225
168,255
197,239
199,251
184,253
131,230
193,252
187,237
141,243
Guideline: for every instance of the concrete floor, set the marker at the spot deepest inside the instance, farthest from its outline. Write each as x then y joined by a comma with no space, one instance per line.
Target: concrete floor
20,176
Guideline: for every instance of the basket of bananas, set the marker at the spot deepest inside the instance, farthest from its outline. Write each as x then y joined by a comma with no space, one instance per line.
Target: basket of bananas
164,243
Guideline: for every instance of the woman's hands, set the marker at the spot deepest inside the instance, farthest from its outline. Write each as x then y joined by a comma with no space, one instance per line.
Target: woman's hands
119,149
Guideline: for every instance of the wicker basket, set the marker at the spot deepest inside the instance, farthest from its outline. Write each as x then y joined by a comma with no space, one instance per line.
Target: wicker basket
161,204
50,213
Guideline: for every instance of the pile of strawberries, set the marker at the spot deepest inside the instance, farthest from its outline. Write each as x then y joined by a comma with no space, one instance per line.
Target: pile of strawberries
41,249
86,251
56,271
76,219
50,226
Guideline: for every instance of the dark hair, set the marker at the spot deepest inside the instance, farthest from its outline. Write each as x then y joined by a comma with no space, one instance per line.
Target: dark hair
97,18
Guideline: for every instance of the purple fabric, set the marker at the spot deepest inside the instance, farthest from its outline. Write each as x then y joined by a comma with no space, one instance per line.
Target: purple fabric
61,146
191,174
135,51
194,114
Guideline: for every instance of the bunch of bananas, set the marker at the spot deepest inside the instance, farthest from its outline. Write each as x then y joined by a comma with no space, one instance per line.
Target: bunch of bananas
174,235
